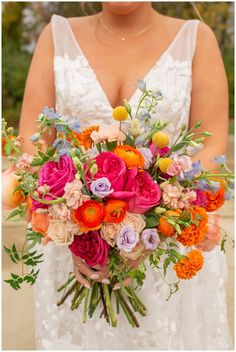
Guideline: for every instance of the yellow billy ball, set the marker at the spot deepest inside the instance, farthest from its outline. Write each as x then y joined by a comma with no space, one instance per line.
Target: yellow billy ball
160,139
164,164
120,113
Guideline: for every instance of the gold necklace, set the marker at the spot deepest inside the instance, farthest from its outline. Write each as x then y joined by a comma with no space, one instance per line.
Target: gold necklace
122,38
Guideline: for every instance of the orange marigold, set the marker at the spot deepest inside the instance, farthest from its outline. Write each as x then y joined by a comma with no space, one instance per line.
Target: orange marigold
213,201
89,216
84,138
115,210
186,268
194,233
131,156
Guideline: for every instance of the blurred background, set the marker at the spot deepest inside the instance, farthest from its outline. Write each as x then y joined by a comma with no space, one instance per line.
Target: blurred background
22,23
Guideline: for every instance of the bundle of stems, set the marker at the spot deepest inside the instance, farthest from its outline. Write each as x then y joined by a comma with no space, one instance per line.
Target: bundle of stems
101,296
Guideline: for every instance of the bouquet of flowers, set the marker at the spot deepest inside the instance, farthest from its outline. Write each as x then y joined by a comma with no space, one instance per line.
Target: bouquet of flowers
114,194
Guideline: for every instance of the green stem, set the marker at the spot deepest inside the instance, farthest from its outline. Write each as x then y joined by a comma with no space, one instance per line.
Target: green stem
71,289
81,295
44,201
129,314
85,304
66,284
109,305
104,304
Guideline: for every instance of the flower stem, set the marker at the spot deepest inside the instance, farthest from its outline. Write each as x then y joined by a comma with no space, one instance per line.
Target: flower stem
109,305
85,304
66,284
104,304
44,201
71,289
128,312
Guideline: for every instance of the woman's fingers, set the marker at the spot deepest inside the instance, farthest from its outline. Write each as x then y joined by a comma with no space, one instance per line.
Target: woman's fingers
80,278
126,283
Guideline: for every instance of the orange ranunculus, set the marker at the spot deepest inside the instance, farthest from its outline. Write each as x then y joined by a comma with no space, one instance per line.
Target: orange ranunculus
115,210
89,216
40,222
186,268
131,156
164,227
84,138
195,232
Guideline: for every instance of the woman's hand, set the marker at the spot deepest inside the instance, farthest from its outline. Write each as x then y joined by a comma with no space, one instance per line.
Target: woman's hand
81,269
212,237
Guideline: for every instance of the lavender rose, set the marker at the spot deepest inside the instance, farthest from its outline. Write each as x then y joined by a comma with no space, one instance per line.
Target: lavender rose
150,239
127,239
101,187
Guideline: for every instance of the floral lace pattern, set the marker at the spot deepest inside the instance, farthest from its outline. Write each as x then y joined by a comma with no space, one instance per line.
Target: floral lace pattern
195,317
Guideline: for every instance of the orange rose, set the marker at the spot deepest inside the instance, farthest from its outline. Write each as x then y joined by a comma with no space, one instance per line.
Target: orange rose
89,216
40,222
115,210
131,156
164,227
11,198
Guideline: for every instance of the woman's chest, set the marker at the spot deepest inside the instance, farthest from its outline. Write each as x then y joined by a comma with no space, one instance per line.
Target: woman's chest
80,93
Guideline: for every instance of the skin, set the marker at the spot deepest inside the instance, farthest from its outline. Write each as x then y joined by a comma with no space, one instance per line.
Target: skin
106,54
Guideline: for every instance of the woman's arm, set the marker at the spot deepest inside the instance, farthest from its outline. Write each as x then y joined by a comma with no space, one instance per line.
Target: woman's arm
209,95
39,89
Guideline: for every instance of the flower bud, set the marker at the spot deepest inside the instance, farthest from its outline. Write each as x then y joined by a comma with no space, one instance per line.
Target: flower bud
164,164
120,113
94,169
159,210
160,139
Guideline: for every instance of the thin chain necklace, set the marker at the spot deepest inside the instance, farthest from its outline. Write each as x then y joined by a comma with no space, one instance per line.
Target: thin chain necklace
122,38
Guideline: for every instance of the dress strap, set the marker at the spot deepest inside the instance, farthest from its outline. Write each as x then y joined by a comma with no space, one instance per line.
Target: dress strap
184,46
62,37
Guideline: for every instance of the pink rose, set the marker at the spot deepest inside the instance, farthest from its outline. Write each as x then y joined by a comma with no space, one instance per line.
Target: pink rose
110,166
147,194
91,247
55,175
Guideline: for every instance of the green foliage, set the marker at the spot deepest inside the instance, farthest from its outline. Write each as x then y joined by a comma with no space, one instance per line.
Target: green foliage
18,33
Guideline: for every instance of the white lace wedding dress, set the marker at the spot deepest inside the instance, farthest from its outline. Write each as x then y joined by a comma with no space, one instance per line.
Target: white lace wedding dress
195,318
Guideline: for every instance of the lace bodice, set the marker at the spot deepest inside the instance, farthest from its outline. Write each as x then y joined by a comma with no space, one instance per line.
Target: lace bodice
79,93
196,317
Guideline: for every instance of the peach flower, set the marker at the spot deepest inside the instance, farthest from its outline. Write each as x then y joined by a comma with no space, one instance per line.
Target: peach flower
60,211
134,220
109,232
62,232
111,134
136,253
40,222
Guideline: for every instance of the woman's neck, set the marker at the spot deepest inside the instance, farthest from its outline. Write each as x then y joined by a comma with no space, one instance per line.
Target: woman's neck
135,20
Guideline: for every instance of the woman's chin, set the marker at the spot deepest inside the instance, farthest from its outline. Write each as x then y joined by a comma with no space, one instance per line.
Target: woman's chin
121,8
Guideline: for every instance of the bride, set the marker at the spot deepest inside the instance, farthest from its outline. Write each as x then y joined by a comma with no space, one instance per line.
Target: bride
85,67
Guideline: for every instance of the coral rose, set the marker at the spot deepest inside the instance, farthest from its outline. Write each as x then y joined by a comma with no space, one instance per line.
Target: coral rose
91,247
131,156
89,216
10,198
40,222
115,210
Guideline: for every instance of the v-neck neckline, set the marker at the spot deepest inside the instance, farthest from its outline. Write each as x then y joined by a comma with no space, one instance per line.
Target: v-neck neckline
145,76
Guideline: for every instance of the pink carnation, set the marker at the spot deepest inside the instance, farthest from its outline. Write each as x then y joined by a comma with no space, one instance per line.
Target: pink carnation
179,165
176,196
24,162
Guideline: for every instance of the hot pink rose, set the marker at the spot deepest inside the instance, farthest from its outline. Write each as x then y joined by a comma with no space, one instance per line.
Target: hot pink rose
55,175
147,194
112,167
91,247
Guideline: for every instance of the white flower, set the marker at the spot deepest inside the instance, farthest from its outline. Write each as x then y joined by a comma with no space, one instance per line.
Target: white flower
135,128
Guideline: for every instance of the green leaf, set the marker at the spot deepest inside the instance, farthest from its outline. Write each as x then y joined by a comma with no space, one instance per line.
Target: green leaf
15,253
172,244
13,214
151,220
37,162
165,265
129,141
